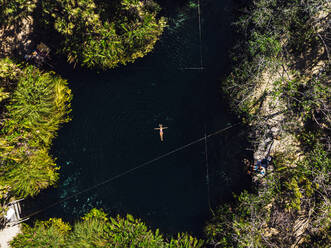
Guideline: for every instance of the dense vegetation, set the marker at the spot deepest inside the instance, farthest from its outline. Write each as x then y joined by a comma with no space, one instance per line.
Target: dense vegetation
269,217
97,230
34,105
91,33
12,11
281,67
101,34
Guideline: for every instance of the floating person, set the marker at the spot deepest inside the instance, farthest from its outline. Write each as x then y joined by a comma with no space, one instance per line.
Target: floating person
161,128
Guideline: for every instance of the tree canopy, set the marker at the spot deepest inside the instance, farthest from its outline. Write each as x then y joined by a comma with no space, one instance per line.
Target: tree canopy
97,34
35,104
281,73
98,231
14,10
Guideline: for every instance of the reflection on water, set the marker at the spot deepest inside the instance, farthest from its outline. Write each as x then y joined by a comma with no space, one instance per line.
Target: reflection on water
114,115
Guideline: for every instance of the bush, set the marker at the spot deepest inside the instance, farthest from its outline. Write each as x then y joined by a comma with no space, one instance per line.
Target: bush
97,230
38,103
51,233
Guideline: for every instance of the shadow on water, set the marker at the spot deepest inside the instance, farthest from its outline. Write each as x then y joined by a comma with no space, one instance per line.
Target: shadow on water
114,114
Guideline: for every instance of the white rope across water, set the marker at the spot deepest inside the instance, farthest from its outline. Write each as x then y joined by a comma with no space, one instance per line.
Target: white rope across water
163,155
134,169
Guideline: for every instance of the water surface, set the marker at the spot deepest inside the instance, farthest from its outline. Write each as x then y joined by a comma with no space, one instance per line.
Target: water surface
114,114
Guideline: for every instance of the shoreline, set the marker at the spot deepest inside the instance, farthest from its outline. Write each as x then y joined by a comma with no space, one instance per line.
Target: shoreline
276,132
271,87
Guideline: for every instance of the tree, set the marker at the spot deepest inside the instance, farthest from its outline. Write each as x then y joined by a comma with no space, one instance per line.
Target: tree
107,35
97,230
12,11
38,103
282,46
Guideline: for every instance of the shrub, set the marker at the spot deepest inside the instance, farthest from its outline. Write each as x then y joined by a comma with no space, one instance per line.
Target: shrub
97,230
38,103
51,233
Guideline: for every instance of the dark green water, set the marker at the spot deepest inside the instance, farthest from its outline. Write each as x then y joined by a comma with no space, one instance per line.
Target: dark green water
114,114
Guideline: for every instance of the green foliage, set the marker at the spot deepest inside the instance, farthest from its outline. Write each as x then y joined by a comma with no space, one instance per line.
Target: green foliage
130,31
97,230
220,230
90,233
3,95
264,44
38,106
273,33
38,103
8,73
51,233
4,190
29,176
303,187
118,232
95,214
4,193
317,241
241,225
13,10
306,99
132,232
307,178
293,187
185,240
282,41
